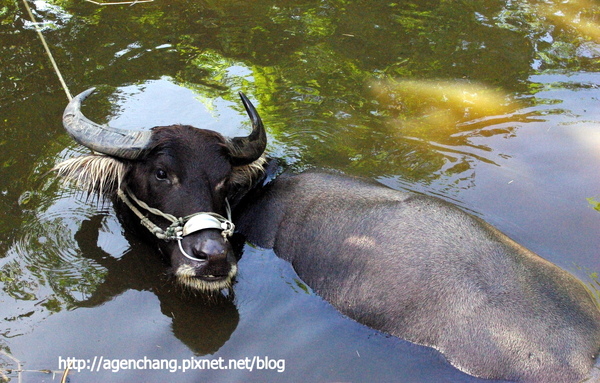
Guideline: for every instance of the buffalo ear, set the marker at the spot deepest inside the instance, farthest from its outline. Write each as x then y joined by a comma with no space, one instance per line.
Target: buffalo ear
95,174
245,150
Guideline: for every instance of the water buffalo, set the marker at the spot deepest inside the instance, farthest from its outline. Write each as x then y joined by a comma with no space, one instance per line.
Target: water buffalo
410,265
175,180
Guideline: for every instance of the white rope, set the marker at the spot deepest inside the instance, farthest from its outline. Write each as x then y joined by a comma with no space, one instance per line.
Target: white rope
152,210
180,226
47,48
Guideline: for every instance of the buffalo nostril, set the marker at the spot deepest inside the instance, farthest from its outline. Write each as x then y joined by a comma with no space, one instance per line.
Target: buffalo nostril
209,250
199,254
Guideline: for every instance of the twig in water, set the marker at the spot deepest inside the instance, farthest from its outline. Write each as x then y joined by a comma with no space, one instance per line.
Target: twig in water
17,361
120,2
66,373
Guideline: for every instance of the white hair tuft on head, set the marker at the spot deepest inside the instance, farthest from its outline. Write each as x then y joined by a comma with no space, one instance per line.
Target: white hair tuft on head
95,174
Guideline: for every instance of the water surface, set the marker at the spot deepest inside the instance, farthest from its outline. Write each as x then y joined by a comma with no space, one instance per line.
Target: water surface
491,105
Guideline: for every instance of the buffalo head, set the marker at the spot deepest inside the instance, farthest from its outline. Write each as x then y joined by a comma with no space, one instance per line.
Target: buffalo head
175,180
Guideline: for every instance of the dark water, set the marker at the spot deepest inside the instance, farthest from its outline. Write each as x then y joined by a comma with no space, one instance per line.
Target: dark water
492,105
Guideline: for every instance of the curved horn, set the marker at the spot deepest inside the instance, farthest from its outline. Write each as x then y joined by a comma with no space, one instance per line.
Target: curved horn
121,143
244,150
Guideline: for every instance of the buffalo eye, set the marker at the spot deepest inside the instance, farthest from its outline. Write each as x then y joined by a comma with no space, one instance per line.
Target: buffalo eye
161,175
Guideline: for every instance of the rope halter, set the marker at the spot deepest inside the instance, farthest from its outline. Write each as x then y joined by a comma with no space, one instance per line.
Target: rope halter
182,226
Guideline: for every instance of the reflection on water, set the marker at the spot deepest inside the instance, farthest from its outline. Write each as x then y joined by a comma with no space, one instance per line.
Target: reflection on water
427,106
580,15
43,268
202,323
444,115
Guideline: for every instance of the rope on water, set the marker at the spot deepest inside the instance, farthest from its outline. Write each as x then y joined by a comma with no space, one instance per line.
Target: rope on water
47,48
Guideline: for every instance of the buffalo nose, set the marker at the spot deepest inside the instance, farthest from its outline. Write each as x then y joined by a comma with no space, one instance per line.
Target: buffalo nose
210,250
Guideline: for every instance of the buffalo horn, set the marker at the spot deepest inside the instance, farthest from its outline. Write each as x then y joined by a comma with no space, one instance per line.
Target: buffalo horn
104,139
244,150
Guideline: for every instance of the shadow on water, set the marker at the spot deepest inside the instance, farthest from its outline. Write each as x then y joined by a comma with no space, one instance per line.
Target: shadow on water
72,257
203,323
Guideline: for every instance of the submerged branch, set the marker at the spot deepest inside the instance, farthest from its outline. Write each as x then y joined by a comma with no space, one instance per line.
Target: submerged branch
120,2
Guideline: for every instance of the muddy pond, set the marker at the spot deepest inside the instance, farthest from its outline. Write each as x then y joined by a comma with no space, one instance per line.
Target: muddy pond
491,105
